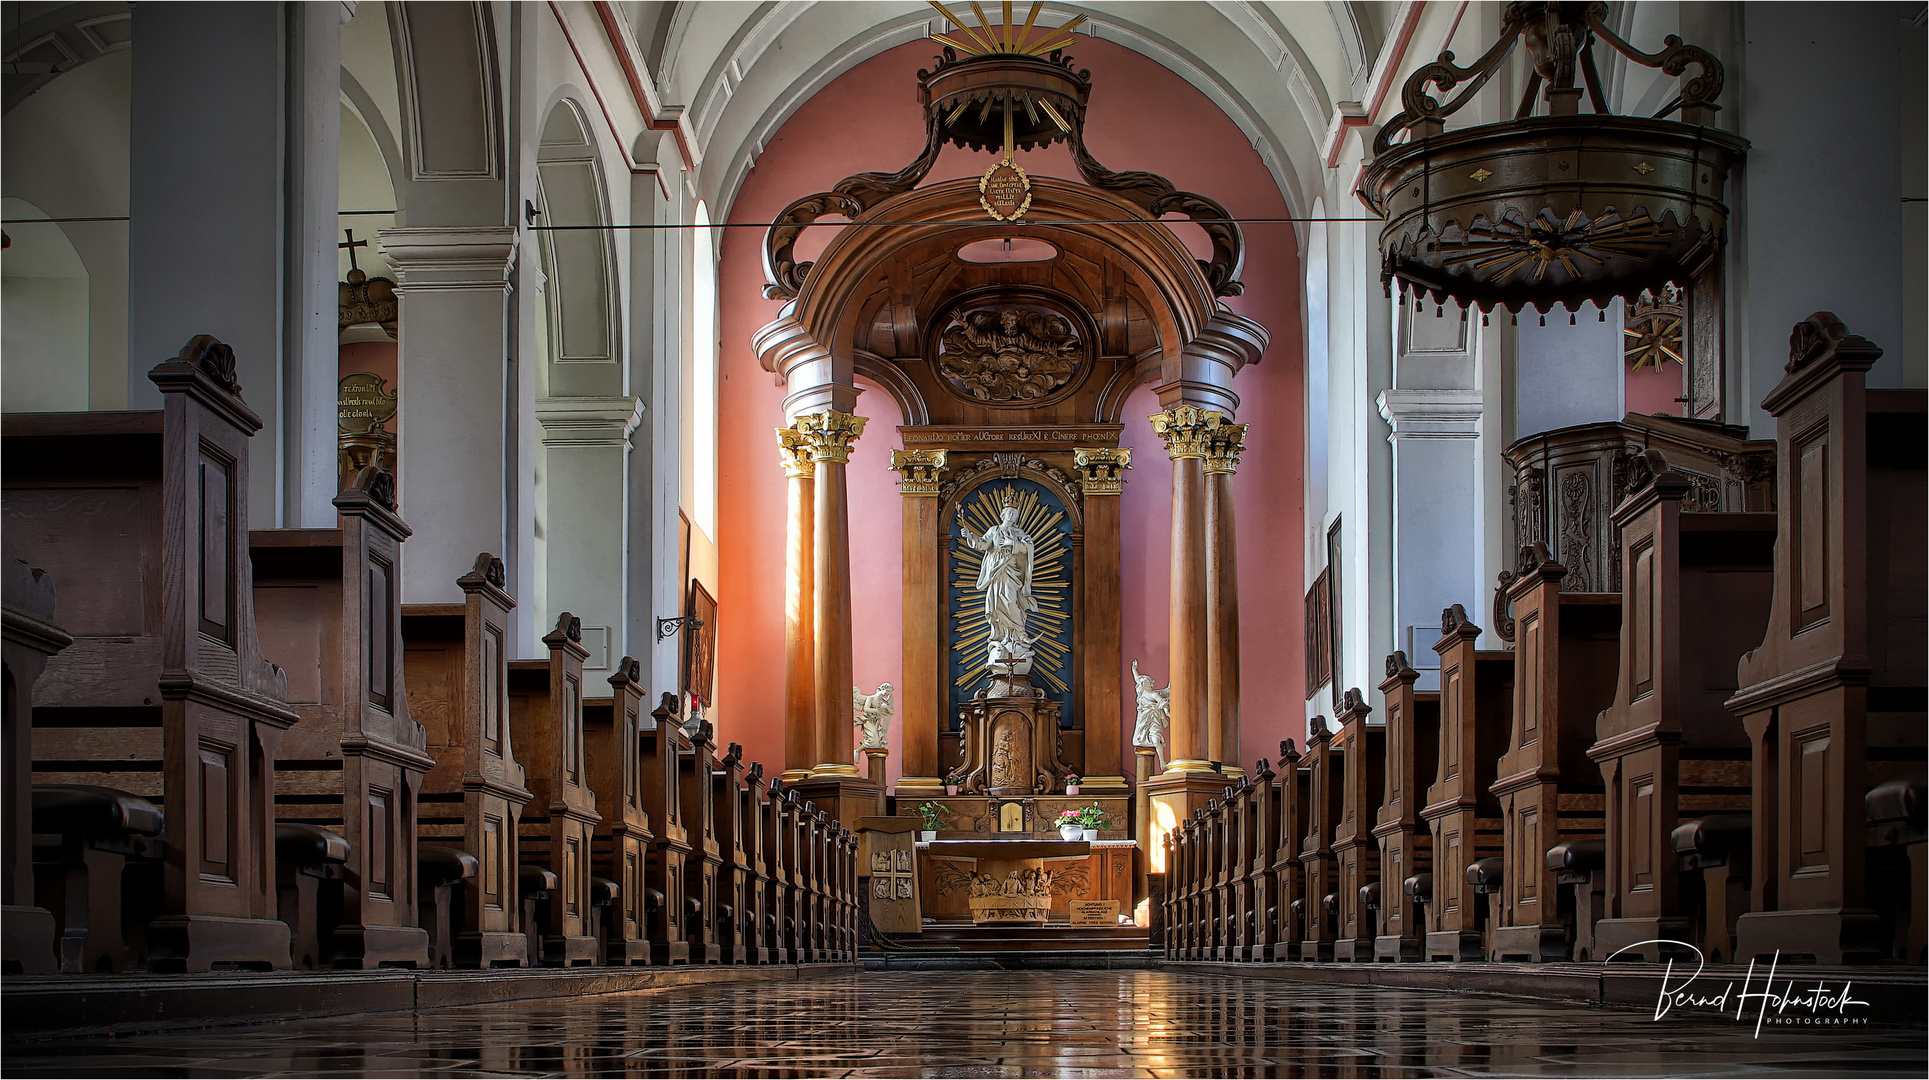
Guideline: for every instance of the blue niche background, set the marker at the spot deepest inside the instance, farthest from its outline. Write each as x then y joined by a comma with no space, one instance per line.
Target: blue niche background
1041,513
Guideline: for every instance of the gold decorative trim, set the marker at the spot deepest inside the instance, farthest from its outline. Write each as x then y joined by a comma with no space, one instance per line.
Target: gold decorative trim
1101,469
830,434
1187,430
795,452
922,471
1227,444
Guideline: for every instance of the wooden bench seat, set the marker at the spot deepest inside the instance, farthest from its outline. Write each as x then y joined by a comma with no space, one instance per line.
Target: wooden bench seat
558,824
164,693
703,867
31,635
457,679
1324,772
1288,872
328,613
1566,648
663,746
612,734
1406,844
1362,745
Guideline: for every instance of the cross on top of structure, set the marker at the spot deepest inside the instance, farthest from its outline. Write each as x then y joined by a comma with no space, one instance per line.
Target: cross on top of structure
351,246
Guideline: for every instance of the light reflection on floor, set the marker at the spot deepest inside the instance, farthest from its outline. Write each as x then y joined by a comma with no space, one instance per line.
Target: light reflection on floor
998,1024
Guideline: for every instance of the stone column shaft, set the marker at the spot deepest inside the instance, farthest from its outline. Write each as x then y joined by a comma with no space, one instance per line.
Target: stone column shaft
919,703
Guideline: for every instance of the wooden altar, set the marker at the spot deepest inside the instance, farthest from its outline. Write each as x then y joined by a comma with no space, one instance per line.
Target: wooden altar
1079,871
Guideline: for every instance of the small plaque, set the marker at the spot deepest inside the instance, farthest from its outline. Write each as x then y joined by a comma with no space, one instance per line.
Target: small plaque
1094,912
1005,191
362,403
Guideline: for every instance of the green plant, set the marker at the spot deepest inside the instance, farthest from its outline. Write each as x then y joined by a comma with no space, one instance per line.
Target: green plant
1091,817
933,814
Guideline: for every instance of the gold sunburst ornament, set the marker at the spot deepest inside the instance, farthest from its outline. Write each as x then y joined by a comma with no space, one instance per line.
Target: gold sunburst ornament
1654,330
1050,586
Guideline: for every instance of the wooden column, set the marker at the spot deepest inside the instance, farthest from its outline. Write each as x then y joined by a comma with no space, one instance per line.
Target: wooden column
924,691
1101,476
1222,599
830,434
800,747
1187,431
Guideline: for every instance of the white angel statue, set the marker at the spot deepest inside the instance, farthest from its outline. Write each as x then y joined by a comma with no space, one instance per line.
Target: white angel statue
1155,712
873,712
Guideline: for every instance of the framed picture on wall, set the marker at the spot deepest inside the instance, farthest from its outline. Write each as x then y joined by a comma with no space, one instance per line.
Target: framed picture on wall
700,646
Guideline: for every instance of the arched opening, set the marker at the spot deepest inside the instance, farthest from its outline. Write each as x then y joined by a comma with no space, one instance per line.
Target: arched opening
44,304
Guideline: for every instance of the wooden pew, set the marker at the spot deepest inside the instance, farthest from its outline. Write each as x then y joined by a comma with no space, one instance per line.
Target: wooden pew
704,865
753,801
559,821
612,732
1566,647
664,746
1246,868
1406,843
328,612
1832,697
457,673
1265,841
1324,767
27,611
1476,691
847,895
1695,591
1192,897
1218,928
778,888
164,694
1288,874
734,877
811,839
1362,746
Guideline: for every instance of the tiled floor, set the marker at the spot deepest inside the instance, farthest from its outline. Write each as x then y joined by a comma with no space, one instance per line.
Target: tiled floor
998,1024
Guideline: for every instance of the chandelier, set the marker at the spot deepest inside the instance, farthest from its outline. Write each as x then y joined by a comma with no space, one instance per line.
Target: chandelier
1562,208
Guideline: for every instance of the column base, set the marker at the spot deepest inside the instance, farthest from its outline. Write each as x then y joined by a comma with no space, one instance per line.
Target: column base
918,787
1533,944
791,777
1828,936
1181,766
1175,795
1103,785
833,768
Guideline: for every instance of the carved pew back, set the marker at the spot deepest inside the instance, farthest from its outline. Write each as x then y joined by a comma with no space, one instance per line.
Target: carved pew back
1832,695
1324,768
705,865
779,889
754,800
1265,843
664,746
1566,647
559,823
164,694
1362,747
1289,875
457,676
1696,589
1476,698
328,611
612,736
1406,843
1245,868
733,881
31,636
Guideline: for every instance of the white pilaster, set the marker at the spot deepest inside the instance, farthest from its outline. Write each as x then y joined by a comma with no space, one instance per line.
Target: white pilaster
1437,511
586,444
457,400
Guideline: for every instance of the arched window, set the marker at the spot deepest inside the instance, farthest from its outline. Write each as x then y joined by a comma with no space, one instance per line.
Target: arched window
703,397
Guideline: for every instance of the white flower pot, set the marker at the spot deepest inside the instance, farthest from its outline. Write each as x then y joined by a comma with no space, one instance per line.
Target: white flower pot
1090,834
1071,832
927,835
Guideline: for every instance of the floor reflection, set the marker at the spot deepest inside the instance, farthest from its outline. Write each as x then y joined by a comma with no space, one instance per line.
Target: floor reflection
997,1024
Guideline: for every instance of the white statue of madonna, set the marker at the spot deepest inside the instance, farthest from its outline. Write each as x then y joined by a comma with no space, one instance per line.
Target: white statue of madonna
1005,576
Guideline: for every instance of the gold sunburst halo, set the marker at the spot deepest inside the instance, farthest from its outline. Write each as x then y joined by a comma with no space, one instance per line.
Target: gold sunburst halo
1051,585
984,40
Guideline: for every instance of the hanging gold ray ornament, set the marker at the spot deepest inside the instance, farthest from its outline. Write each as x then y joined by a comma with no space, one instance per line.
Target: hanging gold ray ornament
1005,189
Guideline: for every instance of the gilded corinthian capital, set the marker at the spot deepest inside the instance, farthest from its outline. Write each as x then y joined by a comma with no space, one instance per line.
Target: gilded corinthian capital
829,434
794,449
1188,430
1222,452
1101,469
922,471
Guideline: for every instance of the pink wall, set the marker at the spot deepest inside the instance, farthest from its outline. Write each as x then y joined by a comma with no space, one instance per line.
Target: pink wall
1142,116
1651,391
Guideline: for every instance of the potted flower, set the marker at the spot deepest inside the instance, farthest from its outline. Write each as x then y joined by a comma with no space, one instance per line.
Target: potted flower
1071,783
933,814
953,781
1090,820
1071,824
